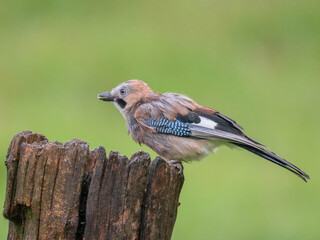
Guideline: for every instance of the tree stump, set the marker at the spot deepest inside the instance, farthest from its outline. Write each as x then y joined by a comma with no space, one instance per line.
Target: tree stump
66,191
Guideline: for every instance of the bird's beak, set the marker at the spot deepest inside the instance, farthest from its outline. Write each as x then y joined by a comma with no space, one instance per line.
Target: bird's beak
106,96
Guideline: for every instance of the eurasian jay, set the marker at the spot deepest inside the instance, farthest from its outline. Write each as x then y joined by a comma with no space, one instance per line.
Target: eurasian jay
179,129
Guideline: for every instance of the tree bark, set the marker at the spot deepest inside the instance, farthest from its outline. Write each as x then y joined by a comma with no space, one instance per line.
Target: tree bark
66,191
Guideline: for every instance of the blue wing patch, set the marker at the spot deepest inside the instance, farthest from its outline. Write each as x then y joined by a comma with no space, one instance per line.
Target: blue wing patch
176,127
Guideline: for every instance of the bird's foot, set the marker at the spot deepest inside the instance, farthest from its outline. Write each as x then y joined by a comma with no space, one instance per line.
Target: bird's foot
177,164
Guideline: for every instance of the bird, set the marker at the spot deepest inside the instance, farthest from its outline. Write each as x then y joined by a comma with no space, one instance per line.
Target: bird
181,130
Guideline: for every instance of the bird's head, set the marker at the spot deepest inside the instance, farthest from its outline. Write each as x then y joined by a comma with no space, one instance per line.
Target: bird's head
127,94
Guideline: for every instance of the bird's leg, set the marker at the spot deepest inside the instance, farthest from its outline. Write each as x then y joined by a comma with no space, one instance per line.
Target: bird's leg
177,164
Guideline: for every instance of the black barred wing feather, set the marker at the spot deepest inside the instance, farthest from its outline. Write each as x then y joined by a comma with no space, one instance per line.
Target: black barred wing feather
175,127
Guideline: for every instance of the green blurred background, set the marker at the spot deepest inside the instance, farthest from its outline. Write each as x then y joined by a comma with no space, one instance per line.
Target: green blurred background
257,62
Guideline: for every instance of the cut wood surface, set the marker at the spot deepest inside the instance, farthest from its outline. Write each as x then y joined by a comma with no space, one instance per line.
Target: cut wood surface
66,191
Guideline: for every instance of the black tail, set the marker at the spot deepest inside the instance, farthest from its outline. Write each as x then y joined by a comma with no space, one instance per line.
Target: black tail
275,159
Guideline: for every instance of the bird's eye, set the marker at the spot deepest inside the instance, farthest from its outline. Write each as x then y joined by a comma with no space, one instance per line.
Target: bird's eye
123,91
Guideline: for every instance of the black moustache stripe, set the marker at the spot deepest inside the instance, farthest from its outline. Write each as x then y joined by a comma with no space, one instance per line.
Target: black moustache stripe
121,103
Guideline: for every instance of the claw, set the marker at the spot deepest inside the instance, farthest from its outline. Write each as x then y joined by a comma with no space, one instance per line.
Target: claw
177,164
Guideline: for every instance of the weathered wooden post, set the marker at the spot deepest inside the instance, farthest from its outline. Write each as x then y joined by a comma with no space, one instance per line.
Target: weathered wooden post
66,191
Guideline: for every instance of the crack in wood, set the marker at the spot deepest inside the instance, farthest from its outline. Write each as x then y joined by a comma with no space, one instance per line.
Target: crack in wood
40,201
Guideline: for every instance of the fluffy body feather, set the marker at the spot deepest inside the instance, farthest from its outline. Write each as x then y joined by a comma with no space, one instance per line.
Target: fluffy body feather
177,128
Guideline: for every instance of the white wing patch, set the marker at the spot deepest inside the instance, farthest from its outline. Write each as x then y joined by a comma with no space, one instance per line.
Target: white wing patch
207,123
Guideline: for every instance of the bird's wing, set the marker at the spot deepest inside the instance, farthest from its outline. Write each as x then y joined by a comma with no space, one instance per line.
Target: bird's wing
180,116
170,112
